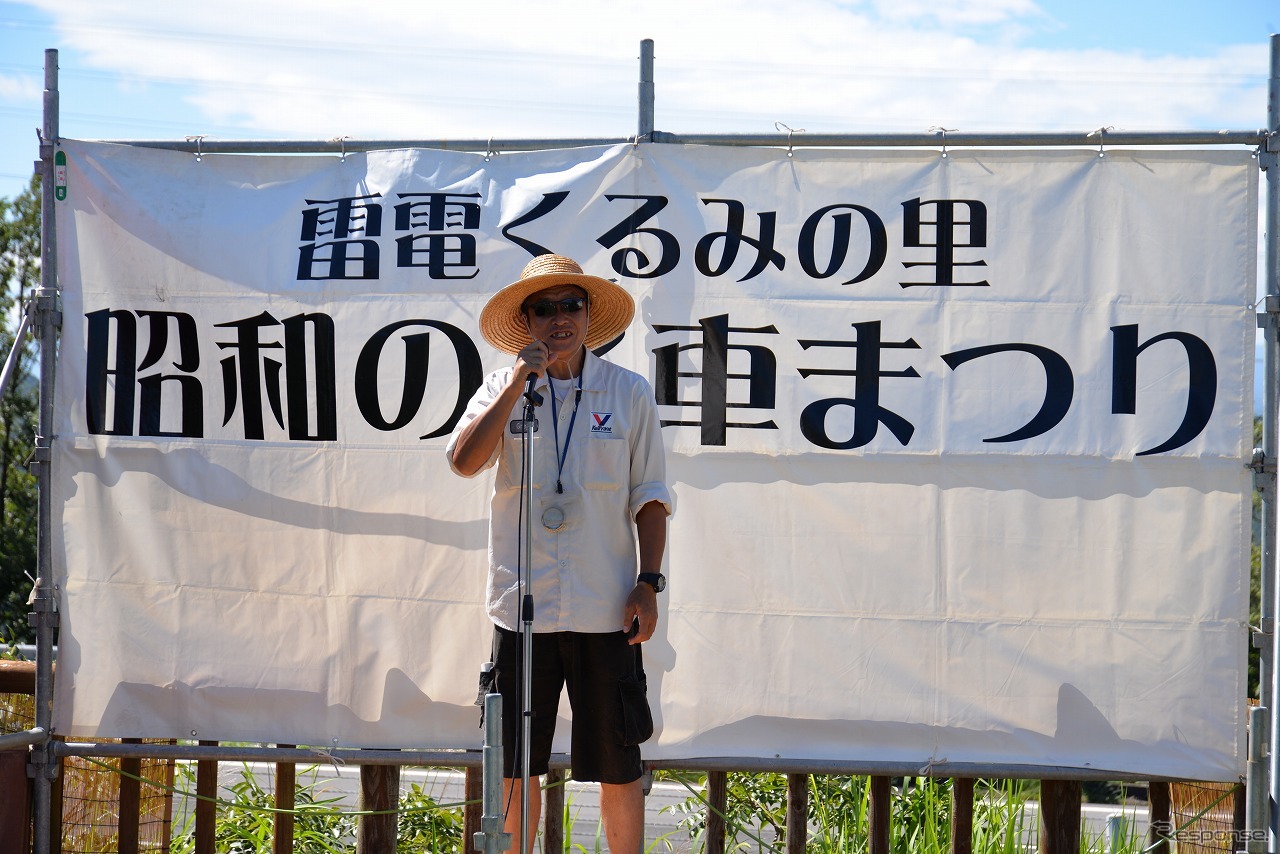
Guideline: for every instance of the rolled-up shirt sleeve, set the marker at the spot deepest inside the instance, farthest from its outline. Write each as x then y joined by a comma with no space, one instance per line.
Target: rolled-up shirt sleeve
648,457
485,395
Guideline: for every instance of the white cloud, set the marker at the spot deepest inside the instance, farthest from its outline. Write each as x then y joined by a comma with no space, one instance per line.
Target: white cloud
568,68
958,12
18,88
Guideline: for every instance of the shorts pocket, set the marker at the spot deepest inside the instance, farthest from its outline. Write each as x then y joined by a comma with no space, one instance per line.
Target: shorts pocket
637,718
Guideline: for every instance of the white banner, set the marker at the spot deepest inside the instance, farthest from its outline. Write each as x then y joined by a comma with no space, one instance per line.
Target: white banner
957,444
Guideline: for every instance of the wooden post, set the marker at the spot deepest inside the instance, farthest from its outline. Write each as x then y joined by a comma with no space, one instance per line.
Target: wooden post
16,788
286,782
553,811
55,821
1059,817
167,831
717,806
1160,814
474,809
880,802
15,799
206,809
379,791
962,815
1238,803
797,813
129,810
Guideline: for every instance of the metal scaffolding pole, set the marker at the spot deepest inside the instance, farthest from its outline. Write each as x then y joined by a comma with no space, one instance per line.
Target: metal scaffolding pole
1269,155
938,139
644,129
560,761
44,617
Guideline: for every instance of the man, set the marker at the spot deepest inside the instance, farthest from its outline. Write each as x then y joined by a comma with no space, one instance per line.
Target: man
599,499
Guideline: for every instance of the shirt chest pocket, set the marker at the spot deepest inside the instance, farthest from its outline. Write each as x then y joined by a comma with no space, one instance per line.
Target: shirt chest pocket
511,466
607,462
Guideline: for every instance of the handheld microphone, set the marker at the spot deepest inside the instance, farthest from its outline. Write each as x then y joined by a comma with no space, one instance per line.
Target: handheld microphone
529,394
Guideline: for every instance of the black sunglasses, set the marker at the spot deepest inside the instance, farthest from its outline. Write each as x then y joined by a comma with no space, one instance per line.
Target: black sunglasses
547,307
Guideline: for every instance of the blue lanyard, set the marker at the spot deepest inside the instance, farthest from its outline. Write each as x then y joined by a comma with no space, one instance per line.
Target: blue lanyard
555,426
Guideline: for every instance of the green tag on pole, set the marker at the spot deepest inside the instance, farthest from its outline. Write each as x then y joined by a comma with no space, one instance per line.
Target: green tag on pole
60,176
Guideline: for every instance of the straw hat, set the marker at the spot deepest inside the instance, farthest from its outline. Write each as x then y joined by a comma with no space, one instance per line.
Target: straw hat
503,324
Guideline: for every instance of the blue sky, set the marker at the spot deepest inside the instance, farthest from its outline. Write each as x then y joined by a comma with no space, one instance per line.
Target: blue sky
1183,27
250,69
421,69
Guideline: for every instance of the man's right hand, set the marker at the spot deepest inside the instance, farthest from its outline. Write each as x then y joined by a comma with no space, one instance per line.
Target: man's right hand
533,359
481,436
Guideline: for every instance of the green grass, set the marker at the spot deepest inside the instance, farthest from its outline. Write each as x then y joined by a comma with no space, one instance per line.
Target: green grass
245,822
839,811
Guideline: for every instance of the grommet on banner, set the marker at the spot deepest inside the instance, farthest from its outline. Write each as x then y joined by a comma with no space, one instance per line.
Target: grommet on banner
943,131
342,141
197,139
791,150
1101,134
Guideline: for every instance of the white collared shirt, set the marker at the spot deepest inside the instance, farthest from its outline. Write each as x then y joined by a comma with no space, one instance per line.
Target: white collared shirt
616,464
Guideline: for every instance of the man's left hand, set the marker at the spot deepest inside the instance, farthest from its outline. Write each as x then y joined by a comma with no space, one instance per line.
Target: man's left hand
642,605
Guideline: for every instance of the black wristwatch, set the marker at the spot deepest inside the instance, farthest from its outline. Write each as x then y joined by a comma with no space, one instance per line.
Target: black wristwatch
656,580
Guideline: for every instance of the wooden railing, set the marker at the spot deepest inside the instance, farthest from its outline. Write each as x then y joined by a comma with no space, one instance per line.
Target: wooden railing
1059,810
